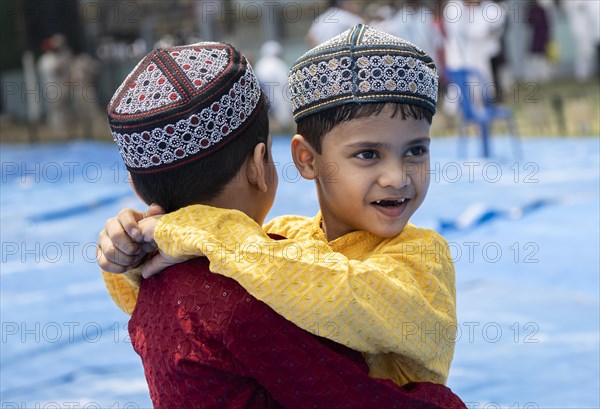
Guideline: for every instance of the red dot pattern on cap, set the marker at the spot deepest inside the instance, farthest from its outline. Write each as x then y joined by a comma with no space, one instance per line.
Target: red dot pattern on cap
155,87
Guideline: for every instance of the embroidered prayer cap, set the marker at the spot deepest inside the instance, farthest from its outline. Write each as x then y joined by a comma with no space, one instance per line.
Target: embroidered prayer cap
180,104
362,65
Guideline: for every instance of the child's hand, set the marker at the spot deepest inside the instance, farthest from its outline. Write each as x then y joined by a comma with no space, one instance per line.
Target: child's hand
121,244
160,261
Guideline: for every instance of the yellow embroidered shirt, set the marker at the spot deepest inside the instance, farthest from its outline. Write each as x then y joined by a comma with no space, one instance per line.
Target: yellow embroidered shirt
392,299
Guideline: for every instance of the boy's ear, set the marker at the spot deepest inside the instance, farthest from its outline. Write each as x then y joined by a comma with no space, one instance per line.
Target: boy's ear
255,167
304,157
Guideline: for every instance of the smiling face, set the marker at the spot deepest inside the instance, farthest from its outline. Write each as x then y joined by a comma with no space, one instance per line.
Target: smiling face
372,174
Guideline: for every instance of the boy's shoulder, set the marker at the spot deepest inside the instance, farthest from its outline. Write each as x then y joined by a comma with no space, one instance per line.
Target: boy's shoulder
416,241
414,233
182,287
290,226
426,245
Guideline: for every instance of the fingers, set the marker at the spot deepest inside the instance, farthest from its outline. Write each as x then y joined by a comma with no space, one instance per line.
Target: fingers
147,231
106,265
154,210
119,239
110,267
148,247
147,227
122,244
128,219
110,258
155,265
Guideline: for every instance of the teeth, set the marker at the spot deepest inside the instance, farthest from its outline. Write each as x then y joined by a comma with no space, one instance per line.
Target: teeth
400,201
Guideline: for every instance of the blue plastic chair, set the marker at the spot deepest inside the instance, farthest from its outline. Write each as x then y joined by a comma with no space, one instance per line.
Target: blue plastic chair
484,114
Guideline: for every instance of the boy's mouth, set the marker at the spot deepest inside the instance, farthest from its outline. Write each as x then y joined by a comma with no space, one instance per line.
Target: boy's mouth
390,203
391,207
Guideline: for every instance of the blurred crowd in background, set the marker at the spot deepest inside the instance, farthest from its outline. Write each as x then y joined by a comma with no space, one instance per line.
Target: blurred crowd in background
63,59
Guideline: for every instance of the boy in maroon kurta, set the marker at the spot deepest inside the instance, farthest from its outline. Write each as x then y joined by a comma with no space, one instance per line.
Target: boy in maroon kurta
191,125
206,342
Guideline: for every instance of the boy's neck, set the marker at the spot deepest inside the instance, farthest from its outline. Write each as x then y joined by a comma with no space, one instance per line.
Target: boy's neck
237,198
330,234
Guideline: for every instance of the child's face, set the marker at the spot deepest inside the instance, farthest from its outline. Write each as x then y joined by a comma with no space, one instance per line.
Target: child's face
373,174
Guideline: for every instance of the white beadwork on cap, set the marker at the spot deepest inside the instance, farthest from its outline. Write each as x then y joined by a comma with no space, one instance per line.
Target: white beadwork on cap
150,90
373,36
334,78
182,103
200,65
199,132
362,64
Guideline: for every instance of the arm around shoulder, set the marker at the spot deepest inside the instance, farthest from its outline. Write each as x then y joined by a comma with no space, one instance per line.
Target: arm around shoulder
369,305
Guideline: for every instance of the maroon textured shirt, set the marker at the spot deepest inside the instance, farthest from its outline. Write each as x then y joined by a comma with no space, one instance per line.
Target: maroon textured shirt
206,343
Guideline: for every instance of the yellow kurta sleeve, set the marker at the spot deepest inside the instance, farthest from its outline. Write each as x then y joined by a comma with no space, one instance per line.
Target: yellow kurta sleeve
400,299
123,289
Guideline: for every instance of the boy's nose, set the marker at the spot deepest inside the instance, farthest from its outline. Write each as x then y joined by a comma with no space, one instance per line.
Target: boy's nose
395,176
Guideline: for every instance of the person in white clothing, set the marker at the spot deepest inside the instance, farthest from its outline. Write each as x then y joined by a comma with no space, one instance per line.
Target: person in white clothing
54,67
415,22
343,15
473,32
584,16
272,74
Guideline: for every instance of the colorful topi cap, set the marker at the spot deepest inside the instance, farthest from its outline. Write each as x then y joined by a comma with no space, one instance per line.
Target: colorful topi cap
180,104
362,65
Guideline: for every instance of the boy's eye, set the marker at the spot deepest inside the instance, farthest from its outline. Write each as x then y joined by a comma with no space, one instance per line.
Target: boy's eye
367,155
417,151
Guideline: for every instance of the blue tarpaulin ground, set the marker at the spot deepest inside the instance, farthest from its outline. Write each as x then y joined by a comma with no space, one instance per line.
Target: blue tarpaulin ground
524,234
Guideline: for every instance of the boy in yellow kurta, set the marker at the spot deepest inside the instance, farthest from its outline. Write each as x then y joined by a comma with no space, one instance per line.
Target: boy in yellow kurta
358,273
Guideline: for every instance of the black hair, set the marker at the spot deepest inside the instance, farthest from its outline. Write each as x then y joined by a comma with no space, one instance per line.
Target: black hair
204,178
315,126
